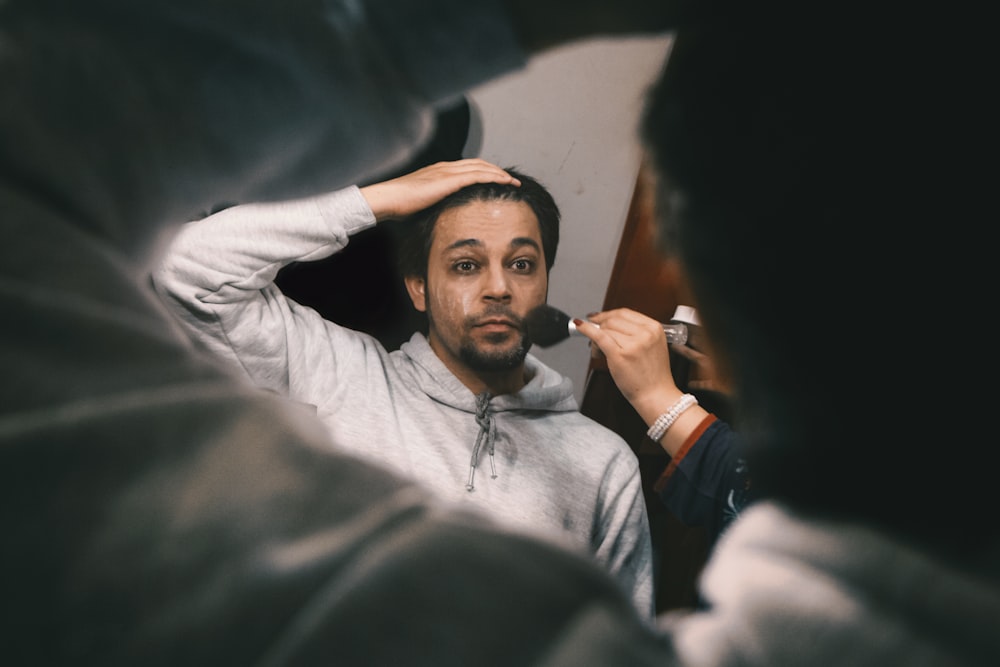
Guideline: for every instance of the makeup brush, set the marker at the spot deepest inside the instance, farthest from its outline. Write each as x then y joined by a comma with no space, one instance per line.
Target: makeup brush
547,326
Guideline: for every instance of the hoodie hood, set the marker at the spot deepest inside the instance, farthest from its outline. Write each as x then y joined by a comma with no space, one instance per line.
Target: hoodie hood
546,389
841,590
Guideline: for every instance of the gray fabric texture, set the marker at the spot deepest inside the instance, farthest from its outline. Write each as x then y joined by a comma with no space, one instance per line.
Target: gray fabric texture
157,510
781,586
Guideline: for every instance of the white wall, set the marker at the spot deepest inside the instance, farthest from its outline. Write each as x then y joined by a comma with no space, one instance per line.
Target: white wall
570,119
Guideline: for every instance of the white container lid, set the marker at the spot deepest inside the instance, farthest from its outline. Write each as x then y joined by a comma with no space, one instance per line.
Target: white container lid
686,314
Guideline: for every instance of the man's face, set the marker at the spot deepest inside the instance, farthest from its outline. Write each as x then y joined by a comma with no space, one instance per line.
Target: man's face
485,271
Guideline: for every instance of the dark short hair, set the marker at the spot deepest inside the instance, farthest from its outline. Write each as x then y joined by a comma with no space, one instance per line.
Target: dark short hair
417,232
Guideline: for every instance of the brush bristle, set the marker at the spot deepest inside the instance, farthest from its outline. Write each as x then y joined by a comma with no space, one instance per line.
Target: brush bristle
546,325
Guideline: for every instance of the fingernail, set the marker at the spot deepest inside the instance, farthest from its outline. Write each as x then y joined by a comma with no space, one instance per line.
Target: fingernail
577,321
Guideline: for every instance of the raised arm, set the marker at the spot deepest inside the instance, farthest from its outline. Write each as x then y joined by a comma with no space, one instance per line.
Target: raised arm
218,274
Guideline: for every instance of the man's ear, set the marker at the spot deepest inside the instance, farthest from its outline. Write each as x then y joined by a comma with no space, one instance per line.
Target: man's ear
416,287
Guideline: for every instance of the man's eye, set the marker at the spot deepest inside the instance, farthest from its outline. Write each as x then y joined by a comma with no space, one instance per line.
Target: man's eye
522,265
464,266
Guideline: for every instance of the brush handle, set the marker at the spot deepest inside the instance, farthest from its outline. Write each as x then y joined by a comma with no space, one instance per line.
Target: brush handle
677,332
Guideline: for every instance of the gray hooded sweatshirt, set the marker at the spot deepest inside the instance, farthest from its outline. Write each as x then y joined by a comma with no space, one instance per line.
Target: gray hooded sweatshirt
529,459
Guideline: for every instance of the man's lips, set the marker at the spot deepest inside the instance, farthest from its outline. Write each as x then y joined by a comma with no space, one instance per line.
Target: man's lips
496,324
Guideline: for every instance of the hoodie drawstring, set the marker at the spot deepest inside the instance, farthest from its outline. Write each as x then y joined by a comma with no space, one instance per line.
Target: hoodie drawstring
487,428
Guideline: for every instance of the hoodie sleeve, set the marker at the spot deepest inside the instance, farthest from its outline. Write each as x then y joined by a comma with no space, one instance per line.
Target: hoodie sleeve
218,275
624,543
708,483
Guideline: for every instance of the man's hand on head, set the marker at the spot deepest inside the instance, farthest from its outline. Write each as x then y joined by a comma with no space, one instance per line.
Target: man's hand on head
407,194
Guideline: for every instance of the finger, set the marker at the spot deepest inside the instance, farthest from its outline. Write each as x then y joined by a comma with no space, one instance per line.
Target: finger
597,335
607,315
628,321
474,170
611,320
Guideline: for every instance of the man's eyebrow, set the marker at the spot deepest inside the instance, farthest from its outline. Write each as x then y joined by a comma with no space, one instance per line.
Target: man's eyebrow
464,243
516,242
520,241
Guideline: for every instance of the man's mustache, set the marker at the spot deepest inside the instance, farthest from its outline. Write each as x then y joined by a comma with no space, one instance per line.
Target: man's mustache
493,312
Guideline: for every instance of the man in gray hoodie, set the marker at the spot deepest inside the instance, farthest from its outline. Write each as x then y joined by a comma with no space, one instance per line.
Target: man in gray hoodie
465,395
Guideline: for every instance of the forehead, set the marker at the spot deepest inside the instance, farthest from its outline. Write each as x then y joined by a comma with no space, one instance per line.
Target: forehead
488,224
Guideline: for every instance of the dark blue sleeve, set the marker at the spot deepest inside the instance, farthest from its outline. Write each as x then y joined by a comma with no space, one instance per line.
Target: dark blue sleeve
710,484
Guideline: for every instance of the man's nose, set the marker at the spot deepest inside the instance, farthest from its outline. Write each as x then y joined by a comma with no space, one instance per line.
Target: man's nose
497,286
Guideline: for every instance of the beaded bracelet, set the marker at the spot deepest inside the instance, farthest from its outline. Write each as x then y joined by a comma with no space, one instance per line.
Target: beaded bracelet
667,419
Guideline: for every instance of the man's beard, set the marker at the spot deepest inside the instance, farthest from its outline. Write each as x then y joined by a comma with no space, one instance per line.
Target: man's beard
491,360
